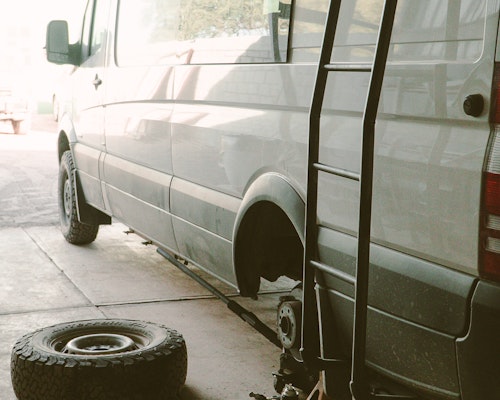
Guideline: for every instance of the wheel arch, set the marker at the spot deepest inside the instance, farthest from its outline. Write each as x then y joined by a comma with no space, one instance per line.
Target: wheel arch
62,145
268,234
67,136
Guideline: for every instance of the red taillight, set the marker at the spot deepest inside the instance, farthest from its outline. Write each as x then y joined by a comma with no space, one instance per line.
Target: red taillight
489,246
490,266
492,193
495,111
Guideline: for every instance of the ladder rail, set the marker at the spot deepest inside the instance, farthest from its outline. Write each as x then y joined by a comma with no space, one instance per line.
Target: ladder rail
310,350
358,373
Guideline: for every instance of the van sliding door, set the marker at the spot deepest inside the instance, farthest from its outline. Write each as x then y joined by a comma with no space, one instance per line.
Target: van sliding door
138,165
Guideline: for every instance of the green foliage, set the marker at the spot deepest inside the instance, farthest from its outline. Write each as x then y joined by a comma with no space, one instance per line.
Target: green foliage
219,18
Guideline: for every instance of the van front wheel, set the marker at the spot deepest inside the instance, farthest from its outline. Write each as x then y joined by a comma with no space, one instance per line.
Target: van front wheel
73,230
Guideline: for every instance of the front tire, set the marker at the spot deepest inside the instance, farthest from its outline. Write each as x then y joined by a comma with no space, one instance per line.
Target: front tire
73,230
99,360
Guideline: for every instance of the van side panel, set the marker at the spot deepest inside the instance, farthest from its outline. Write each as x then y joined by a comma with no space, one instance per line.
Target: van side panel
203,221
233,120
233,123
429,154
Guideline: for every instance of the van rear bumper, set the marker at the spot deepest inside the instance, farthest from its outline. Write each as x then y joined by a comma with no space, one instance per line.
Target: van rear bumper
478,353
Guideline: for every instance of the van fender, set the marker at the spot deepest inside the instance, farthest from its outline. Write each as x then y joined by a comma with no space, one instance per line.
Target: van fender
270,187
67,135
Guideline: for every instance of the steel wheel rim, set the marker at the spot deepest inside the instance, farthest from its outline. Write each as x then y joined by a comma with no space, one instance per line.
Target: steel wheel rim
100,344
67,198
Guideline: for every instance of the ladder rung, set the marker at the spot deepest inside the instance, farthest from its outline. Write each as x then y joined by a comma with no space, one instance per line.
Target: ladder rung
344,173
378,396
324,364
347,68
333,272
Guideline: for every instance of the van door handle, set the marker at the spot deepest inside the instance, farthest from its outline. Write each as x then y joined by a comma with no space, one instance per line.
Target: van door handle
97,81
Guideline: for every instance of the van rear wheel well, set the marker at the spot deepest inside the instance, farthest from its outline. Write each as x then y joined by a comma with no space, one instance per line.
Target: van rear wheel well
268,246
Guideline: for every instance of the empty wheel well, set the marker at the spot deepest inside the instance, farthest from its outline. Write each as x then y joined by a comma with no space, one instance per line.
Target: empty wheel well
267,245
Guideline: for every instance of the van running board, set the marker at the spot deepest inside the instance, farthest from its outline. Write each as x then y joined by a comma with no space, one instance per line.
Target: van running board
236,308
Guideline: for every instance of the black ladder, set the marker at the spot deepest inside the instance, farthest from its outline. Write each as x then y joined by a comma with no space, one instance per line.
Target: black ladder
359,385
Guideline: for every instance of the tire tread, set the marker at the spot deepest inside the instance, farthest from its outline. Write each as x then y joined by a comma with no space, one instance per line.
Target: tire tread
155,373
74,231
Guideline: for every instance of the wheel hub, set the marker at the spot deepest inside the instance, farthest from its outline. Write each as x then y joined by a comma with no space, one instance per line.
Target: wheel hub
289,324
100,344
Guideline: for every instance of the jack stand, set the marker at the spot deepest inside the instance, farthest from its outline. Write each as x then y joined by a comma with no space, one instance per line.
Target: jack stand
262,397
289,393
293,372
318,392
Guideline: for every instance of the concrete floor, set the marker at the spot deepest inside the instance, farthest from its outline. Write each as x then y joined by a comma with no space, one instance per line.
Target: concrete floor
44,280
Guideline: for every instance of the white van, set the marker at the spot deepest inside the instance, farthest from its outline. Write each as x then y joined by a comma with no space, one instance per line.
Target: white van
189,123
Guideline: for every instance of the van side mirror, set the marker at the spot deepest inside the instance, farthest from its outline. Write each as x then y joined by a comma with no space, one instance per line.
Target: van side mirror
57,43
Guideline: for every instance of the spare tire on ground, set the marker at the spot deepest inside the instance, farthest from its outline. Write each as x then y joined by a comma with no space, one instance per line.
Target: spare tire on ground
110,359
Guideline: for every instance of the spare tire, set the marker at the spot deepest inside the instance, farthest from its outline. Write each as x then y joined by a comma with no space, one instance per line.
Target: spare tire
99,360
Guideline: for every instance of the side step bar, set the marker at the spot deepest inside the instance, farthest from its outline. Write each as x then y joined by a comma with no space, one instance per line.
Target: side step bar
236,308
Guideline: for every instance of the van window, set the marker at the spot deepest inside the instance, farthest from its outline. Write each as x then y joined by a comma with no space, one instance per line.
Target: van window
94,28
430,30
87,24
99,27
152,32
